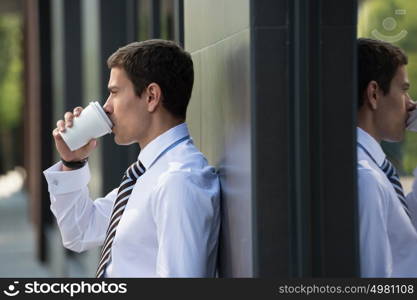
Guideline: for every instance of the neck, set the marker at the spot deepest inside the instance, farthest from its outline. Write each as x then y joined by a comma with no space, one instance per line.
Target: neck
366,123
157,128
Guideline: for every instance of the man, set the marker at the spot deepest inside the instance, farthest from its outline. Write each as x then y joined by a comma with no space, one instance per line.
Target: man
388,236
163,219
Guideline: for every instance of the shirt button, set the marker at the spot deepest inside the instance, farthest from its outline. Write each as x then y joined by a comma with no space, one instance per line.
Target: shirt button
55,182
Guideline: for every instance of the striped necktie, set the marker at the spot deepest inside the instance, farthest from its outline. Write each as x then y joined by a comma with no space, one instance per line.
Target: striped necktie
128,182
391,173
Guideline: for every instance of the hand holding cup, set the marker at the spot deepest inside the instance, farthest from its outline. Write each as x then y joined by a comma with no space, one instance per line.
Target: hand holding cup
64,151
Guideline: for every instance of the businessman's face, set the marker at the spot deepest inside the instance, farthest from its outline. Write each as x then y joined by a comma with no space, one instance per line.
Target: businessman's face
393,108
127,111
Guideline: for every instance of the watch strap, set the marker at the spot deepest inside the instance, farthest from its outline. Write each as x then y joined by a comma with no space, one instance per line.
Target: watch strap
74,164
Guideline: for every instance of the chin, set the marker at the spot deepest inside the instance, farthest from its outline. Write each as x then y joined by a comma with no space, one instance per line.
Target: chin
395,139
121,142
401,136
117,140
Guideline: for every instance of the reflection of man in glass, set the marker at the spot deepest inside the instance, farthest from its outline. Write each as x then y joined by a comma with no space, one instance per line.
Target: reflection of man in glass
388,218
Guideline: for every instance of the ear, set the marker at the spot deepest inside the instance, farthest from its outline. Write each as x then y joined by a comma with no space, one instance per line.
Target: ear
372,95
154,96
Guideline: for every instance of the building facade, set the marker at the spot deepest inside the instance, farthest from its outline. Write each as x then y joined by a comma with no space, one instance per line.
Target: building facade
273,109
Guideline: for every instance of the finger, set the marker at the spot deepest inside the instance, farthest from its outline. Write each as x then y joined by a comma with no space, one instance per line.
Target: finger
55,132
77,111
68,119
60,125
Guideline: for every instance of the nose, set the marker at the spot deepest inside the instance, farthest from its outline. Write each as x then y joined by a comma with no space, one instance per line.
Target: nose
108,108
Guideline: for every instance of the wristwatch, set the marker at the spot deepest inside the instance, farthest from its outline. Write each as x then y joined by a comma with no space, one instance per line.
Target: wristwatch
75,164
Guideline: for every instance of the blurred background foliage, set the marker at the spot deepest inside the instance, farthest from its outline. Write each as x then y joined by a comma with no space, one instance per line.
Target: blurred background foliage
395,21
11,90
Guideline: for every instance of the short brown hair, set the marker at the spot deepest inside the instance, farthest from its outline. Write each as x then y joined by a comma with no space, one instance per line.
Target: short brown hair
379,61
162,62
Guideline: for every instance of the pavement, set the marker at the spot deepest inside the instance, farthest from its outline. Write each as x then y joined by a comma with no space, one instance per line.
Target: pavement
17,239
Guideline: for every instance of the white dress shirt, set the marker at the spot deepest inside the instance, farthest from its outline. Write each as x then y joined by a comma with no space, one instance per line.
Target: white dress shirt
388,237
170,225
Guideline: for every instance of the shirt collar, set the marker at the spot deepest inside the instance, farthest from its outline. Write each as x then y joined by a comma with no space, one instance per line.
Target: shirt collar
154,149
371,145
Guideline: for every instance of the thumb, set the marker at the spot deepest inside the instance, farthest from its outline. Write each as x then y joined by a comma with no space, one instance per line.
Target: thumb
90,146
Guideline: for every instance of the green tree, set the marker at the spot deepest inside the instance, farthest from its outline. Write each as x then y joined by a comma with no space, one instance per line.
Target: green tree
11,89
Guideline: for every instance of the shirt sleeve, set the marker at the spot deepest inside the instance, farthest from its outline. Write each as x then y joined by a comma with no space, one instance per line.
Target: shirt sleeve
375,251
184,213
411,199
81,221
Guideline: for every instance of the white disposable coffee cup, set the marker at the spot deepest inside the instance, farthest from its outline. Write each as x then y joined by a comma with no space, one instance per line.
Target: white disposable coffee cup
92,123
412,121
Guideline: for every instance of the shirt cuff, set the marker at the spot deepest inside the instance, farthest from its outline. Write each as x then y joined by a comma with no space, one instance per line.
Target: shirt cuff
61,182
